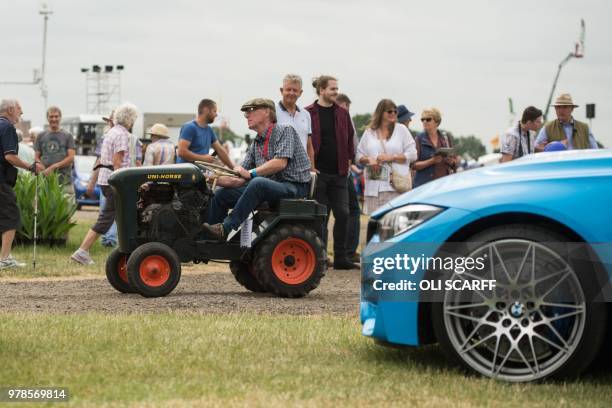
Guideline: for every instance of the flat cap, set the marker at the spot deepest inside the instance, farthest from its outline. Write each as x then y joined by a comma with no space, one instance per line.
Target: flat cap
258,103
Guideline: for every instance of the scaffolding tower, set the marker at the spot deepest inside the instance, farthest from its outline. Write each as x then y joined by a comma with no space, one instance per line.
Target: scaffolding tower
102,87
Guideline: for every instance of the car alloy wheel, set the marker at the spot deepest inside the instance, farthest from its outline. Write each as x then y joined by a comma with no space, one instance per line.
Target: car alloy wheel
529,325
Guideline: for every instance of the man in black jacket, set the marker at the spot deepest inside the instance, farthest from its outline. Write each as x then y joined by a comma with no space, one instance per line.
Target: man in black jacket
332,140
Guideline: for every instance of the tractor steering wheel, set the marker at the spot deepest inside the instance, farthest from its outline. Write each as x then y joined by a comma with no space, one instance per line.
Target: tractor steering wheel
216,169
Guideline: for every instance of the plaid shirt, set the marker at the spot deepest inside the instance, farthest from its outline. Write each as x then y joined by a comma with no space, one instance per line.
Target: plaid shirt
116,140
284,143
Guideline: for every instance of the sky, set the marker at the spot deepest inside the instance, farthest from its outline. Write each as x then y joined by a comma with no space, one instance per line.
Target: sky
464,57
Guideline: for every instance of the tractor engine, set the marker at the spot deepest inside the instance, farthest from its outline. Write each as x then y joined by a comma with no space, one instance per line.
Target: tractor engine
168,211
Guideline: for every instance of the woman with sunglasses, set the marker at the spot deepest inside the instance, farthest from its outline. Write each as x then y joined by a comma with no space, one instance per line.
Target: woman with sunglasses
431,163
385,147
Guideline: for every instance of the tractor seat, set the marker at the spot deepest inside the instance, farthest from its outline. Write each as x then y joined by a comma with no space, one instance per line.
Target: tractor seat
265,206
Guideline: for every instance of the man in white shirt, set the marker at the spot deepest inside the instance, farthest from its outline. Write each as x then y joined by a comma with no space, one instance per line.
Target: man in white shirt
289,113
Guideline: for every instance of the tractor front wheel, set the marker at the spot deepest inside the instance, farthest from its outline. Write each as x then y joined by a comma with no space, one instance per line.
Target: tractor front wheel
116,271
154,269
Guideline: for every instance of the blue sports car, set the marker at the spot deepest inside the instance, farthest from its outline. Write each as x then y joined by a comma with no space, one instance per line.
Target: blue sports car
508,268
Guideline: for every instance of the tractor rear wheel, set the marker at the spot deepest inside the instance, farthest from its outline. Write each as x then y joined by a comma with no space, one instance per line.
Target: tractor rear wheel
244,274
291,261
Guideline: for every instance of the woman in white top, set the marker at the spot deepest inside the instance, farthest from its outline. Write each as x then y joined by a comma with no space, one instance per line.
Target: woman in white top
385,147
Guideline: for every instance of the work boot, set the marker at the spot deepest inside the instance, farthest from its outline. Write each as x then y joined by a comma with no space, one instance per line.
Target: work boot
215,231
354,257
344,264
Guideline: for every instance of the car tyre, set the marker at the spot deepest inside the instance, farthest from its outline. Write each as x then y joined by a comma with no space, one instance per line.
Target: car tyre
558,347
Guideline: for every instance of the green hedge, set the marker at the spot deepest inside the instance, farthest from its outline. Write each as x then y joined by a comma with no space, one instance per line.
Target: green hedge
55,208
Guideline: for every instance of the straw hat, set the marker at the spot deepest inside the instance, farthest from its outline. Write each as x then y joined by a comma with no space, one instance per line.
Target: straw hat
564,100
159,130
108,118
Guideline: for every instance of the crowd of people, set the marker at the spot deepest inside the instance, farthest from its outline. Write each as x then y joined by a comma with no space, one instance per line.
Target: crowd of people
292,143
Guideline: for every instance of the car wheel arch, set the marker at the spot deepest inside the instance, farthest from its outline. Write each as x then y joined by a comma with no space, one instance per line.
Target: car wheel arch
506,218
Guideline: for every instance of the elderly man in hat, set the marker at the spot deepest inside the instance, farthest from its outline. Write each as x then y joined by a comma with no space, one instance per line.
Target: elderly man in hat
276,166
161,150
565,129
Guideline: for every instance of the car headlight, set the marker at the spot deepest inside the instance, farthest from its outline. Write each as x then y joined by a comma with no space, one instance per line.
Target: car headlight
404,218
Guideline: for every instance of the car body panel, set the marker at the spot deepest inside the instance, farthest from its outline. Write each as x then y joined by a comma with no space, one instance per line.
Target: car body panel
571,188
81,174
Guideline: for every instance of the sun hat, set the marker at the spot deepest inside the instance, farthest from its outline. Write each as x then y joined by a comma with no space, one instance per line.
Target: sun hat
564,100
159,130
403,114
108,118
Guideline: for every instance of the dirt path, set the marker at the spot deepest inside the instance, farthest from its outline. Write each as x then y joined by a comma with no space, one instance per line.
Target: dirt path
211,292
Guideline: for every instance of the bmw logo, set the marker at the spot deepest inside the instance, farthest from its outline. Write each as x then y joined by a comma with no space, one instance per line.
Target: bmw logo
516,310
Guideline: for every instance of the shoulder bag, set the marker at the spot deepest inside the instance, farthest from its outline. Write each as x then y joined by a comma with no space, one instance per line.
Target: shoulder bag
400,183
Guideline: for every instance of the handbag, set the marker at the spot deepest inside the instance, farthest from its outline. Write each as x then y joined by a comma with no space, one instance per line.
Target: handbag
401,183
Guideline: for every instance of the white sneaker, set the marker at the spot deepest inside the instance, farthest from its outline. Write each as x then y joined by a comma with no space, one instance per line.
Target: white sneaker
82,257
11,262
18,263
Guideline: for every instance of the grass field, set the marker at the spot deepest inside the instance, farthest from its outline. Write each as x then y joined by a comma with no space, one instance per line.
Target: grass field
55,261
191,359
194,360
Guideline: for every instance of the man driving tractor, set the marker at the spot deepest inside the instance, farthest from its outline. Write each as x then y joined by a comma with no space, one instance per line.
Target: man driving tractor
276,166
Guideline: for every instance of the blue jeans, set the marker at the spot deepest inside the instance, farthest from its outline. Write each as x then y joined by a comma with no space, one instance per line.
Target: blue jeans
111,235
247,198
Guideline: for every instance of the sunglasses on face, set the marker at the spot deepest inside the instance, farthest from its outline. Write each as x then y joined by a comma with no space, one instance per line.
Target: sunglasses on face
426,119
392,111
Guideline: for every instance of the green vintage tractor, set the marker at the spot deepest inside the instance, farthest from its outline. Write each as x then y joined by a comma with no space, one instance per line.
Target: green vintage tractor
159,213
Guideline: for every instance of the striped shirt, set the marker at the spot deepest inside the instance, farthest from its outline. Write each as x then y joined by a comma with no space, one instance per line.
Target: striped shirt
160,152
